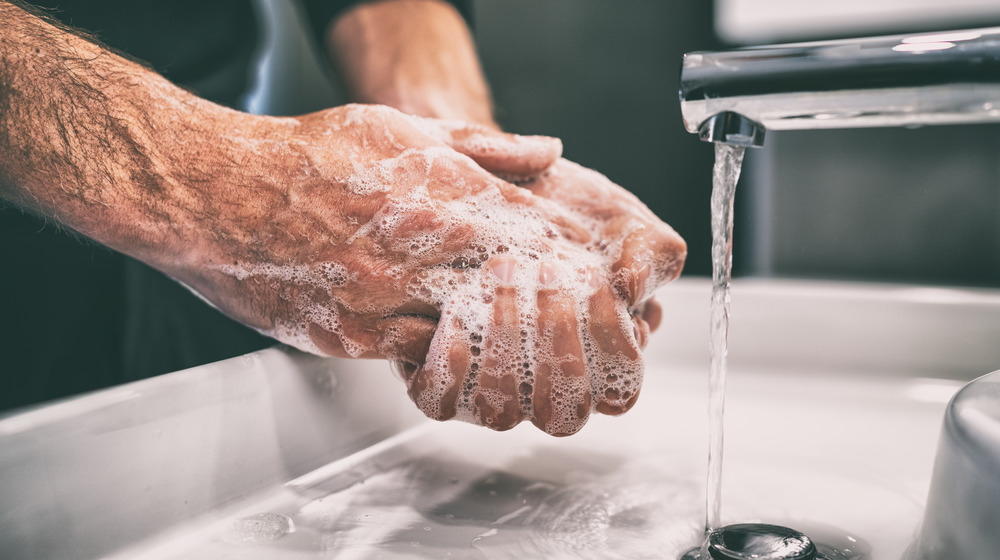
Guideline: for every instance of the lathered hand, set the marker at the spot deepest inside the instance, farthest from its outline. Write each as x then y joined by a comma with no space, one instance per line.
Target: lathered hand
498,305
566,321
646,251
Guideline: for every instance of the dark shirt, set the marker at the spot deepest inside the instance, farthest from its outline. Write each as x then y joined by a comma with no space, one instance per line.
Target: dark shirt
76,316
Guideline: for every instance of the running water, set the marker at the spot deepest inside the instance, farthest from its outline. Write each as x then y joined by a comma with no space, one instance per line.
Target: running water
748,540
725,174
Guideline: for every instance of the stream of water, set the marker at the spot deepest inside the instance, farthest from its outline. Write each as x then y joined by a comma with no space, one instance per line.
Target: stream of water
725,174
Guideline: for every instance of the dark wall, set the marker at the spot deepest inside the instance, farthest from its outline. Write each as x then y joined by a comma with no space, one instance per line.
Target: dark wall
889,204
603,76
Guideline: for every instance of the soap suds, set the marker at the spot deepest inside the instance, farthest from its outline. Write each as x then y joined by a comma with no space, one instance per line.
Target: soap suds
461,285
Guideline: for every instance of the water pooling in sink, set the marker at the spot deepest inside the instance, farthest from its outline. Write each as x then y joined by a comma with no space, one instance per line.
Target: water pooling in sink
618,489
444,492
446,503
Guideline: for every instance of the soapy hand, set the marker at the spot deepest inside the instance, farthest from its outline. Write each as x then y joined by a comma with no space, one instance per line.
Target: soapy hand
497,303
648,251
356,231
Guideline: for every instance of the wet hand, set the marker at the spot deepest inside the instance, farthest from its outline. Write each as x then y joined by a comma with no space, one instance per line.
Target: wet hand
562,327
645,251
363,232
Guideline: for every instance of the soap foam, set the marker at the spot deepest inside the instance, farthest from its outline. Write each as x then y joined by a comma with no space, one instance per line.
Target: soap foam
462,286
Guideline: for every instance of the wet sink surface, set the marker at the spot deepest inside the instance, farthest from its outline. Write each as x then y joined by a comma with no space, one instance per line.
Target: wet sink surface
850,453
836,395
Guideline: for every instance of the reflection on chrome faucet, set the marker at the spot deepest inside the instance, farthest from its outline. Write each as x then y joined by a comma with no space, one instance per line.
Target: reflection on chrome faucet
904,80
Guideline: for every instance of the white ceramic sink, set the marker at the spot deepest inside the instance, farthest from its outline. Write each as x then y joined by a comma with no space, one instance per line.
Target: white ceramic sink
836,395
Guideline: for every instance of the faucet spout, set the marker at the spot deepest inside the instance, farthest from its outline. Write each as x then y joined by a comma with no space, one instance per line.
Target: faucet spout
733,129
902,80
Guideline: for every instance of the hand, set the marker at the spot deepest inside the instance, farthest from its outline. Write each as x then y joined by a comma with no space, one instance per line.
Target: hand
585,352
500,305
315,226
648,252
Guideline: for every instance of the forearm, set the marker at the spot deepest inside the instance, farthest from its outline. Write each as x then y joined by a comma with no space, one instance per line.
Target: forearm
91,139
414,55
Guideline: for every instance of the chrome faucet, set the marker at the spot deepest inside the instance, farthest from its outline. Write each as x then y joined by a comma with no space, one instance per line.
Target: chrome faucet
734,96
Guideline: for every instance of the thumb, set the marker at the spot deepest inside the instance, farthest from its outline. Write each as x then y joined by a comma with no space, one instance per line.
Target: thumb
501,153
404,342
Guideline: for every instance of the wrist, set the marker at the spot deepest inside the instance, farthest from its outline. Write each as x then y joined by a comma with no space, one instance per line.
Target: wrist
220,184
414,55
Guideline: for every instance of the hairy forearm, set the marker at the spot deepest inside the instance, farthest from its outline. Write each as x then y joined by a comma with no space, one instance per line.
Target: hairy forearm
414,55
93,140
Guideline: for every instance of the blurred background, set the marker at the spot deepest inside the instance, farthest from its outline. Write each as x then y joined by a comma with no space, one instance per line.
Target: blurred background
886,205
899,205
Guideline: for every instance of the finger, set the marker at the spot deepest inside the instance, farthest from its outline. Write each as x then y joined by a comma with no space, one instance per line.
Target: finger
425,234
496,403
618,367
651,255
640,330
607,326
435,386
405,341
652,313
588,192
562,222
561,398
500,153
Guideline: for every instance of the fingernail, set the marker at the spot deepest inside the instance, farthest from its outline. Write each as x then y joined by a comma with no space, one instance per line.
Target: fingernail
503,268
547,273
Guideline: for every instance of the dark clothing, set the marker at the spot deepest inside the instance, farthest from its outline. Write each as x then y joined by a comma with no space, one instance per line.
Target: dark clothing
203,46
77,316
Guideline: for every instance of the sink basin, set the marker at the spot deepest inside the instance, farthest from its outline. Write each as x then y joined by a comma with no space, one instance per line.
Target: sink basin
964,502
835,402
